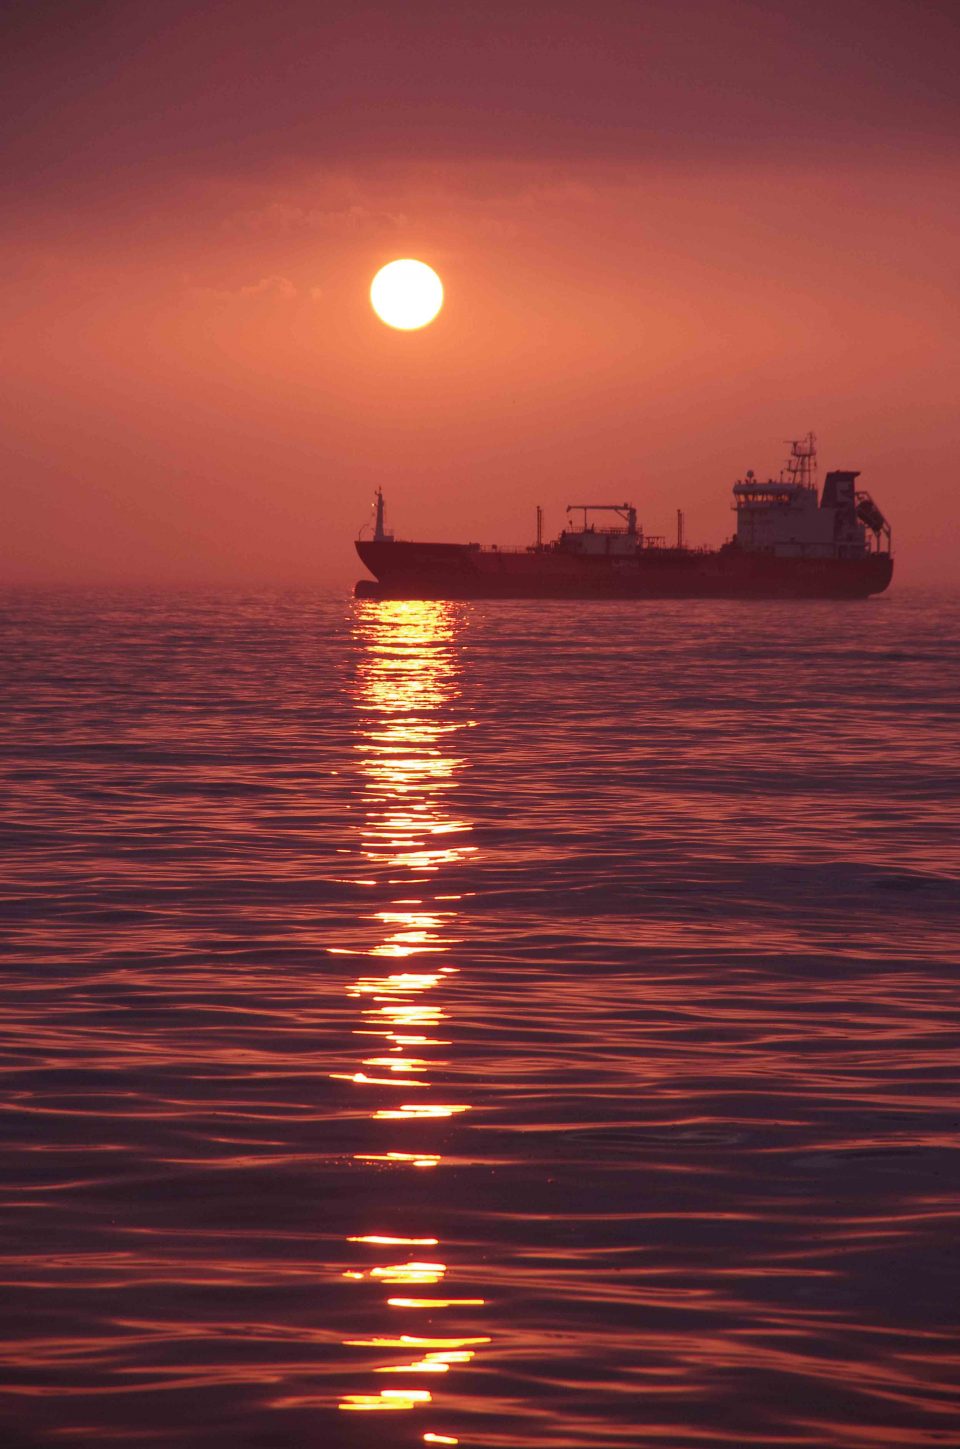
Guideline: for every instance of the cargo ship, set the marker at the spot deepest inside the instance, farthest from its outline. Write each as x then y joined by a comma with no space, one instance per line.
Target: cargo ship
792,541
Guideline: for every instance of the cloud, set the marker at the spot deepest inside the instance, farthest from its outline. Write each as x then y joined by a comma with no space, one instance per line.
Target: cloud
279,287
283,217
270,289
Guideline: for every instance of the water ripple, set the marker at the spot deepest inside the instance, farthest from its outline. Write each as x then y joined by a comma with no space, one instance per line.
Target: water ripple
485,1024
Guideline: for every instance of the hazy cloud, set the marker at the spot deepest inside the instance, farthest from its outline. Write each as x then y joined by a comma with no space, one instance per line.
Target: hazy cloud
272,288
279,287
280,217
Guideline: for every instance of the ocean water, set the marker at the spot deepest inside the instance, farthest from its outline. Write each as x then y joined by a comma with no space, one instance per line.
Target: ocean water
494,1024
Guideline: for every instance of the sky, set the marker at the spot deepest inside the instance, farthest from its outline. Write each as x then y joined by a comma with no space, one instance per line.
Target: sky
672,236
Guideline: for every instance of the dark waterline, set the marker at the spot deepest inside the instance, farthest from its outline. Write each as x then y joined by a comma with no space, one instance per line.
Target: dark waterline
496,1024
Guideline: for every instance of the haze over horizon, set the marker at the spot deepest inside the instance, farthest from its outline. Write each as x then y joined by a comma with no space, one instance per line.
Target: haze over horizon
670,238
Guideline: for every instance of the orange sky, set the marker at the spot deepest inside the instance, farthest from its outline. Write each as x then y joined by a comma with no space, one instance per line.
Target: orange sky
667,246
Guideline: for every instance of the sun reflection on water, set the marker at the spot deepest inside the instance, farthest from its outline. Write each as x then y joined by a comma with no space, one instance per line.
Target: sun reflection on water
410,833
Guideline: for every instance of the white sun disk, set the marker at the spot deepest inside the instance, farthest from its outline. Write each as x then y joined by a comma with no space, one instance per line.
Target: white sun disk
406,294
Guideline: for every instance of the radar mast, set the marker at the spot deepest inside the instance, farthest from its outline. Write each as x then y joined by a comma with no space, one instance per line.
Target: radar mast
801,465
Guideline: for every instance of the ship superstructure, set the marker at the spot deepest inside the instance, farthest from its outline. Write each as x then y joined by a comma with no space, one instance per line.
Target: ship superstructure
789,519
792,541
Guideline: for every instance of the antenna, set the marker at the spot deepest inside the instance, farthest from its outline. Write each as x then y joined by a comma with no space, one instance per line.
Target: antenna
801,465
539,526
679,528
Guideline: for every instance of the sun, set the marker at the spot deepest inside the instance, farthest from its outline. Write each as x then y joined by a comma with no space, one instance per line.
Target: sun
406,294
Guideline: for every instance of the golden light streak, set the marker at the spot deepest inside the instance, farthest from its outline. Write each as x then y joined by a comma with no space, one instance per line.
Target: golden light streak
398,952
421,1366
408,1015
401,1064
436,1302
402,982
362,1079
409,671
387,1399
410,1340
403,1273
412,1158
431,1363
393,1242
424,1110
419,1040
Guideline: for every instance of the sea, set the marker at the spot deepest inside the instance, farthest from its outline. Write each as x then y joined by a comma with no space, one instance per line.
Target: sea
494,1024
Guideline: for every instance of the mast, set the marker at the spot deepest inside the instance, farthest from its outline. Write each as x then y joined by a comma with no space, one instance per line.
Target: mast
379,532
802,463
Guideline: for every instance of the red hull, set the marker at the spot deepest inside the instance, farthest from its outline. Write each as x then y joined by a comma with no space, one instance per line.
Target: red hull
464,571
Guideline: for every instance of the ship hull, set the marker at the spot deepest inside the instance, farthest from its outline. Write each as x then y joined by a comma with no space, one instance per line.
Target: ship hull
463,571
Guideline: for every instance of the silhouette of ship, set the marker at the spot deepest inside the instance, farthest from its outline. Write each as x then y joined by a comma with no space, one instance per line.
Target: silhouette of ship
791,542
